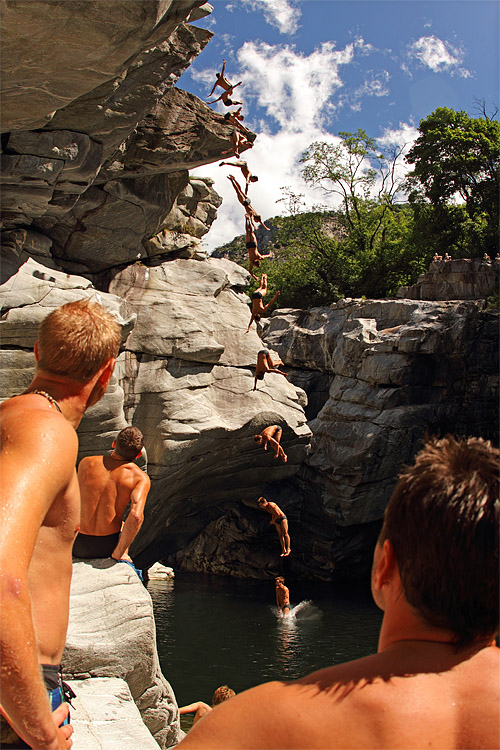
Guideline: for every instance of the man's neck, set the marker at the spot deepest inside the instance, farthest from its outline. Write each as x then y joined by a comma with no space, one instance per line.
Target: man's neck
70,395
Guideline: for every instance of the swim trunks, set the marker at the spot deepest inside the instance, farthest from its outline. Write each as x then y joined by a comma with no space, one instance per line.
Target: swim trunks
280,519
57,691
227,102
257,295
251,244
89,547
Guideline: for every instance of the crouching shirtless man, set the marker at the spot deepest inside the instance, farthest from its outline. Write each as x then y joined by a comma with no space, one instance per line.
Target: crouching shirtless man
434,681
108,484
39,515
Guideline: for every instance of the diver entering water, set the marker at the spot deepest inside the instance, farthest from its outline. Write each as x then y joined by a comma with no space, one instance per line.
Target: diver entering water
282,596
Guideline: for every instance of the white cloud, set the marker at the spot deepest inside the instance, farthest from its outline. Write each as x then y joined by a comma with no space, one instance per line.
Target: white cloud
282,14
438,55
295,89
275,161
299,92
374,85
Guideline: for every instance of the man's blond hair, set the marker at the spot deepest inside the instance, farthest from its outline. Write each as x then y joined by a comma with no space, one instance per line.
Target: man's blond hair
75,340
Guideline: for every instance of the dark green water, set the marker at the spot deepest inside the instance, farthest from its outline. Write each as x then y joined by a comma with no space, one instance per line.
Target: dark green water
213,630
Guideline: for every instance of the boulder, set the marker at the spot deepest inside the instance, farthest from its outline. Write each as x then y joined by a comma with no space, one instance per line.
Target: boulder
463,278
187,373
105,717
54,53
111,633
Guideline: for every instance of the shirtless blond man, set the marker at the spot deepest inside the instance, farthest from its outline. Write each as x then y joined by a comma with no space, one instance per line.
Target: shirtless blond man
282,596
107,485
271,436
39,516
279,520
434,681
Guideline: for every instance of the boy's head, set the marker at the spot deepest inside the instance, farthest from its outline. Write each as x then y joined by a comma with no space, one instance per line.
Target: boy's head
442,521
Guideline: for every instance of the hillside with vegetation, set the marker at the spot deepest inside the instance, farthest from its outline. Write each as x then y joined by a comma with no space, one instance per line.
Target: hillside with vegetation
390,222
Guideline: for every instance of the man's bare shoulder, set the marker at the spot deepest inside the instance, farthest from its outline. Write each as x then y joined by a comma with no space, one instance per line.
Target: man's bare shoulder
23,424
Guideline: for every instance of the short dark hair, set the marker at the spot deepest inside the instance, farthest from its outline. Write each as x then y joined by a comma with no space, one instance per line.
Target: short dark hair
260,375
129,443
257,317
442,521
223,693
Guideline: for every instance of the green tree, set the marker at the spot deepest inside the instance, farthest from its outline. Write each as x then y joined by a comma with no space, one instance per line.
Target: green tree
363,176
457,155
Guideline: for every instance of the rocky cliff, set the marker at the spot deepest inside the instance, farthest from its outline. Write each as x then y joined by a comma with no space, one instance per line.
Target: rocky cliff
97,201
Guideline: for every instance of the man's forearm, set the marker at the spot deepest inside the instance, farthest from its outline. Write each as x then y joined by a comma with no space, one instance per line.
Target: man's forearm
24,697
127,536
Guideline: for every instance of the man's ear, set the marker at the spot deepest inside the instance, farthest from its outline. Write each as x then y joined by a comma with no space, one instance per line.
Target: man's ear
385,565
36,352
106,372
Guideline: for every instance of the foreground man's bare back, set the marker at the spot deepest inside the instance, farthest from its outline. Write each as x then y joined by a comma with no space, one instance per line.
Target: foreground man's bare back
394,699
41,508
106,486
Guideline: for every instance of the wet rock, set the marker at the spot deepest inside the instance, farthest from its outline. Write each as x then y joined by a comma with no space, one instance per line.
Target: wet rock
111,633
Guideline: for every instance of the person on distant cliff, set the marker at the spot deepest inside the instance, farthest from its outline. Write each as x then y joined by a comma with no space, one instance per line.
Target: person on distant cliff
221,80
200,709
279,520
242,164
258,307
39,514
250,211
266,364
254,256
271,436
282,596
434,680
107,485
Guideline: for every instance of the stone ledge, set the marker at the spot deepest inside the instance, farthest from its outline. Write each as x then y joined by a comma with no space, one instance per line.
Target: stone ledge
105,717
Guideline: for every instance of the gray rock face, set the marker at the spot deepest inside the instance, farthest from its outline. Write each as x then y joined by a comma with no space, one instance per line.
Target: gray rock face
188,379
463,278
53,53
99,181
106,717
111,633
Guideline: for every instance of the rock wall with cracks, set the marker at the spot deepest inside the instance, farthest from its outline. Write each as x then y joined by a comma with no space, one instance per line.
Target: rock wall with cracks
97,200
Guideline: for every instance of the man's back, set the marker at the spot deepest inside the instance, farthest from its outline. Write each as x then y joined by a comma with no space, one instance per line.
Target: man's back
106,485
412,696
39,446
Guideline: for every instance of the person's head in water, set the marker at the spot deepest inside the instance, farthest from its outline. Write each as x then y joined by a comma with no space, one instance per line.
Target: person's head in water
223,693
76,339
129,443
442,521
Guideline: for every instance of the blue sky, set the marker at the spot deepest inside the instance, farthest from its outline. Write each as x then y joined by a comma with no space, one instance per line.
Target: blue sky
311,69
